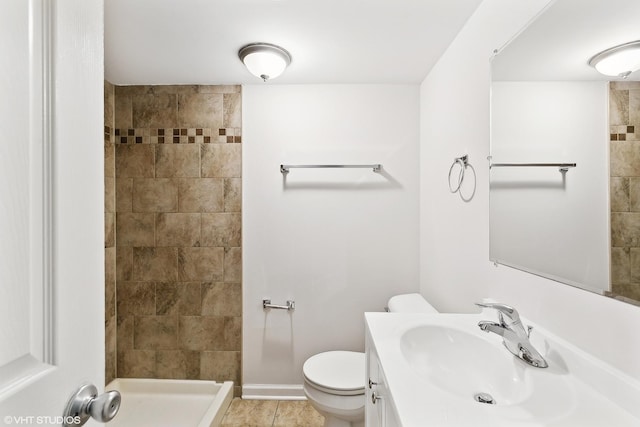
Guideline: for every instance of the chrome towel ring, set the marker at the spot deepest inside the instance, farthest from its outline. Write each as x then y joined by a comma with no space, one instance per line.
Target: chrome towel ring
463,163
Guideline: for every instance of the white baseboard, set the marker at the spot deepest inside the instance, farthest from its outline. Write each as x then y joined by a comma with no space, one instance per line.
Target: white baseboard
273,392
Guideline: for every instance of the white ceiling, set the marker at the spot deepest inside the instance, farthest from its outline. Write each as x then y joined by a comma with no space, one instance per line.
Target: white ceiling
331,41
559,44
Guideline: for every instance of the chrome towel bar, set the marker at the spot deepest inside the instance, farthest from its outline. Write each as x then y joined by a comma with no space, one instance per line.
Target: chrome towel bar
563,167
290,306
376,167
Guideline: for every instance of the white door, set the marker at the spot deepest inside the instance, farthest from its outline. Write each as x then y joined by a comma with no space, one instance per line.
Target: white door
51,206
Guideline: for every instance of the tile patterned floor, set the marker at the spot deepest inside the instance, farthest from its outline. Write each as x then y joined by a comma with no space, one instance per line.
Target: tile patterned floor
271,413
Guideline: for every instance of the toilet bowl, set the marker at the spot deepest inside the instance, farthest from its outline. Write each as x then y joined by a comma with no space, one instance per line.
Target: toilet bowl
334,385
334,380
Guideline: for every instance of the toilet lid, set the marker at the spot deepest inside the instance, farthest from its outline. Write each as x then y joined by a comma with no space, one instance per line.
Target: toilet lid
338,371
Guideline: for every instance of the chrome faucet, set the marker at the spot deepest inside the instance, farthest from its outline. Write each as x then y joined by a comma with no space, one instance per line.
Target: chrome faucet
513,333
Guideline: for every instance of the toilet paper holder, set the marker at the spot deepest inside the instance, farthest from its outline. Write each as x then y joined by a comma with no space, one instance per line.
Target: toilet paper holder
290,305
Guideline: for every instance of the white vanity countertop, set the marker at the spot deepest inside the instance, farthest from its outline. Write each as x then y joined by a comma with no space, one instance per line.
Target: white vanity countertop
575,390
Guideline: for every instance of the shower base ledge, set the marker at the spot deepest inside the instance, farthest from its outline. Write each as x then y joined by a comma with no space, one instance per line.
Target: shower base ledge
170,403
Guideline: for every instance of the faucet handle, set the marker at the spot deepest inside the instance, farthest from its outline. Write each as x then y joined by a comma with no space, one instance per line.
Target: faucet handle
503,309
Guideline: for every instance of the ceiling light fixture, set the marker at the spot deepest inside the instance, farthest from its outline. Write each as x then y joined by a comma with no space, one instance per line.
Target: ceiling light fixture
618,61
264,60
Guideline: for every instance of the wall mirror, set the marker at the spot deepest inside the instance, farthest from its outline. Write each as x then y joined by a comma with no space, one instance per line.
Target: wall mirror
577,225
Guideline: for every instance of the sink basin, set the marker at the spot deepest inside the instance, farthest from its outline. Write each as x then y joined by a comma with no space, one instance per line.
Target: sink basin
465,364
434,365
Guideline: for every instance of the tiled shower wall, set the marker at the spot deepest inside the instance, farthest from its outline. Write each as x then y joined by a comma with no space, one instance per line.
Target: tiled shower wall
624,112
178,231
109,233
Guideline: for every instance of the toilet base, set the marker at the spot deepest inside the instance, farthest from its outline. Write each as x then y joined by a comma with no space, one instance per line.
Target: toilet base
338,411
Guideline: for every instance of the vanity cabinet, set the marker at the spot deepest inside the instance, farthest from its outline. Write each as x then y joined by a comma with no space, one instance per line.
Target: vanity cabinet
379,411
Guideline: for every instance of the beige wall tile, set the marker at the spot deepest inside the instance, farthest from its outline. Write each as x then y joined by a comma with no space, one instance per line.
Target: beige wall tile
135,160
220,366
201,264
123,111
221,229
109,194
109,100
124,194
155,195
136,298
201,195
628,290
625,158
178,229
154,110
634,265
177,160
124,333
171,364
233,194
623,85
137,364
109,160
634,106
181,298
155,332
201,332
124,263
110,349
222,299
232,105
192,359
110,282
618,107
619,194
250,413
201,110
620,265
233,264
131,90
625,229
109,230
135,229
221,160
159,264
175,89
232,333
219,88
634,194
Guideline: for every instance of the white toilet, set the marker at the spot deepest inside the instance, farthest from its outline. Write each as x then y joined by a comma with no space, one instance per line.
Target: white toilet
334,380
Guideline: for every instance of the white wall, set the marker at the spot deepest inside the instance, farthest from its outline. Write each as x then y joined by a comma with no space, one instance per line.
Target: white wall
551,121
338,242
454,241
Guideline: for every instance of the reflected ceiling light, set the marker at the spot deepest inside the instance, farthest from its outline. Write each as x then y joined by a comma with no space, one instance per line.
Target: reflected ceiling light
264,60
618,61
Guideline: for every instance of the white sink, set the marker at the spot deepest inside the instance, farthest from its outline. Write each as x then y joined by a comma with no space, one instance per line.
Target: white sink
464,364
435,365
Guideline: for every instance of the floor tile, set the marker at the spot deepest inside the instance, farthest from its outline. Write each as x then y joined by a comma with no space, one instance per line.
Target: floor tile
297,413
250,413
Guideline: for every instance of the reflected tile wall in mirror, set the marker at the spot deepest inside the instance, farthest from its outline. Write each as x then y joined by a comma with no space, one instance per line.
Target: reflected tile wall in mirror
624,122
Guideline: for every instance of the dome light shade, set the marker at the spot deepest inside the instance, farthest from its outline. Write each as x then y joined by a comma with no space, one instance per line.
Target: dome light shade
618,61
264,60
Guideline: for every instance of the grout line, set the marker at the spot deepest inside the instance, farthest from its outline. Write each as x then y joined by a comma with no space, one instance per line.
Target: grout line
275,414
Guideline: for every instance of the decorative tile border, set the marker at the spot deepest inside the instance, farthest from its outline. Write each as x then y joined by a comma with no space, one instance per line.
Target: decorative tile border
622,133
177,136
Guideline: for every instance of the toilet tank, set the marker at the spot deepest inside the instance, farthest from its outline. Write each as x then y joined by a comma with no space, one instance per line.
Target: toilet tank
410,303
